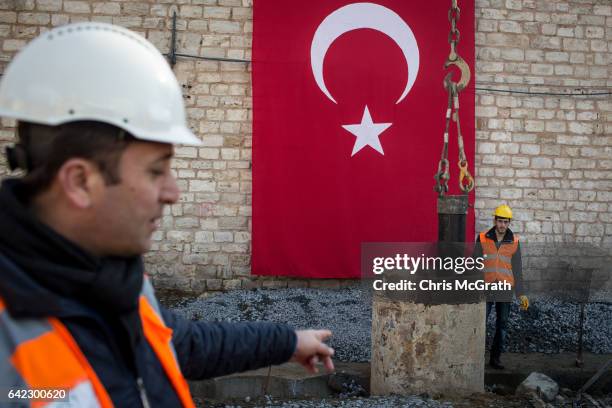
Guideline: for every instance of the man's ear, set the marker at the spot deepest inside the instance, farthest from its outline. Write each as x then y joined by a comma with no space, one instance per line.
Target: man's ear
78,179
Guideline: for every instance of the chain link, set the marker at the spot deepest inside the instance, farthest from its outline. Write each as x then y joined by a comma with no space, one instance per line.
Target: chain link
454,14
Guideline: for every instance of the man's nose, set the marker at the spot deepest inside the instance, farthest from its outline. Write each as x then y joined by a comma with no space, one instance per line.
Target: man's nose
170,192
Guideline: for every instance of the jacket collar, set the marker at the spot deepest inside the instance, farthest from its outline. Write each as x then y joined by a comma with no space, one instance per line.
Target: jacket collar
508,236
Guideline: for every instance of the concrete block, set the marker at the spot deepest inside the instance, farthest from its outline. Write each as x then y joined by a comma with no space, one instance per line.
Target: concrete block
539,384
436,349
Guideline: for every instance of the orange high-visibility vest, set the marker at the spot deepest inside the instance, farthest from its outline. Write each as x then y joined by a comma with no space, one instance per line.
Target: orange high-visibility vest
42,354
498,262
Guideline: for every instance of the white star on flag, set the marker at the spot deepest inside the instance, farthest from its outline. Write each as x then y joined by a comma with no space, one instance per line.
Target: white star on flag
367,133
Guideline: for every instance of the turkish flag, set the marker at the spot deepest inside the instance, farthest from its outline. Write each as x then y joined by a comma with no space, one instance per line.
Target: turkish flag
348,120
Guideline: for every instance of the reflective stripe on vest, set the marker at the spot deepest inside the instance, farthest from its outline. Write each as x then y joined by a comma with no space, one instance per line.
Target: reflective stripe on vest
498,262
159,337
41,353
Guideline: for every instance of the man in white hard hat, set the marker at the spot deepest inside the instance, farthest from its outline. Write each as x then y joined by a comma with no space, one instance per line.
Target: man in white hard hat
98,111
501,251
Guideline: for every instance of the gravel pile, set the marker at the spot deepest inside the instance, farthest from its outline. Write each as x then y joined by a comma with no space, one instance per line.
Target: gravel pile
549,326
382,402
347,312
394,401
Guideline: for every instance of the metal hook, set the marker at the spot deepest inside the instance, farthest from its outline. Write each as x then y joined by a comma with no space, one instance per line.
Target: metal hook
463,68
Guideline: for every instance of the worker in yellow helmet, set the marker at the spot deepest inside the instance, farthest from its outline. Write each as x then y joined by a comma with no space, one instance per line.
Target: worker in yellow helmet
501,251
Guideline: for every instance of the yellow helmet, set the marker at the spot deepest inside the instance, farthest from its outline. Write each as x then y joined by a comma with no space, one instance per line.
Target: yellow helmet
503,211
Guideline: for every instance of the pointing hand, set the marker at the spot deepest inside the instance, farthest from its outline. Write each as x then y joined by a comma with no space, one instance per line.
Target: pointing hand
310,350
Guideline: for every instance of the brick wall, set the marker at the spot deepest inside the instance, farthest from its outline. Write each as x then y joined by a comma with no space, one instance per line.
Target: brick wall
549,157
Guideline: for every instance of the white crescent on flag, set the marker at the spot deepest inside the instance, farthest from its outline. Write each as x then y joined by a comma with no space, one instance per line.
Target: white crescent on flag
363,15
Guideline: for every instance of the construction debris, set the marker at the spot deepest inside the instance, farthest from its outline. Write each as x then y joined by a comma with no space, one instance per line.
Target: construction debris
539,384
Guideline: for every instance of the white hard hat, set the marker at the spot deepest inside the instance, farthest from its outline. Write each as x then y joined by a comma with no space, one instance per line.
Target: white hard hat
98,72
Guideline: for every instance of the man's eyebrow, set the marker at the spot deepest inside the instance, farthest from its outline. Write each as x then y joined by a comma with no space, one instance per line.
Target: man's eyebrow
165,157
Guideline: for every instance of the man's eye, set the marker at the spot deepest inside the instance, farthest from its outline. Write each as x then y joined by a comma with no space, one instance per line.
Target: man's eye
157,172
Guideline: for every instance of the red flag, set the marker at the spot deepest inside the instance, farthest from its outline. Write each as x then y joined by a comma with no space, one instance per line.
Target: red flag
348,123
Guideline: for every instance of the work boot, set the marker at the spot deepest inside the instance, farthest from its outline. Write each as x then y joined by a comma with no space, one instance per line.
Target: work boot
496,363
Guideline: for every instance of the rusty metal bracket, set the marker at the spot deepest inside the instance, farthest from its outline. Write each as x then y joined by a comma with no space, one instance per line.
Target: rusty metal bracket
464,68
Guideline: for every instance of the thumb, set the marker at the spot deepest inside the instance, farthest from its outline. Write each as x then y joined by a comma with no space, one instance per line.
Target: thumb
323,335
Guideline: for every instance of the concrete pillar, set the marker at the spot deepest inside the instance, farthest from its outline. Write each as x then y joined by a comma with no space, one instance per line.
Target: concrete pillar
438,348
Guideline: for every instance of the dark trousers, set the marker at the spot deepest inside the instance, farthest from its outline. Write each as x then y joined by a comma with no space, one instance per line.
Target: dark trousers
502,310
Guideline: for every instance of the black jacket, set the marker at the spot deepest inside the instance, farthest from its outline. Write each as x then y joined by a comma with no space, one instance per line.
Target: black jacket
517,261
42,275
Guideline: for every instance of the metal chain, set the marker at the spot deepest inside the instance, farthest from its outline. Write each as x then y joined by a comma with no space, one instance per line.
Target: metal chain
466,181
454,14
443,174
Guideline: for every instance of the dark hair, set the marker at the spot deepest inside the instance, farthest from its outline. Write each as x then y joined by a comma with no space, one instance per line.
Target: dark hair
502,218
44,149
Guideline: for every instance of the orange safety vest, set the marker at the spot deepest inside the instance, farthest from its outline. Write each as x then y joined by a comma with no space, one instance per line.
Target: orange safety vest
498,262
42,354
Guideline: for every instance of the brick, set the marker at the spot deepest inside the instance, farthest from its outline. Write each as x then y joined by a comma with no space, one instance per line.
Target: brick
542,69
562,163
511,193
217,12
128,21
545,42
521,16
8,17
549,29
77,7
594,32
135,9
510,27
572,140
534,126
534,55
486,111
490,66
573,44
191,11
59,19
510,40
236,114
202,185
13,45
179,236
564,18
223,236
590,230
34,18
520,161
48,5
555,56
531,149
581,128
508,148
555,127
159,10
106,8
592,20
602,10
541,163
513,54
224,27
486,148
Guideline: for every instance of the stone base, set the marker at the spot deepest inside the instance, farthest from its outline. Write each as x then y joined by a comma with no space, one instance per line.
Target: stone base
434,349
